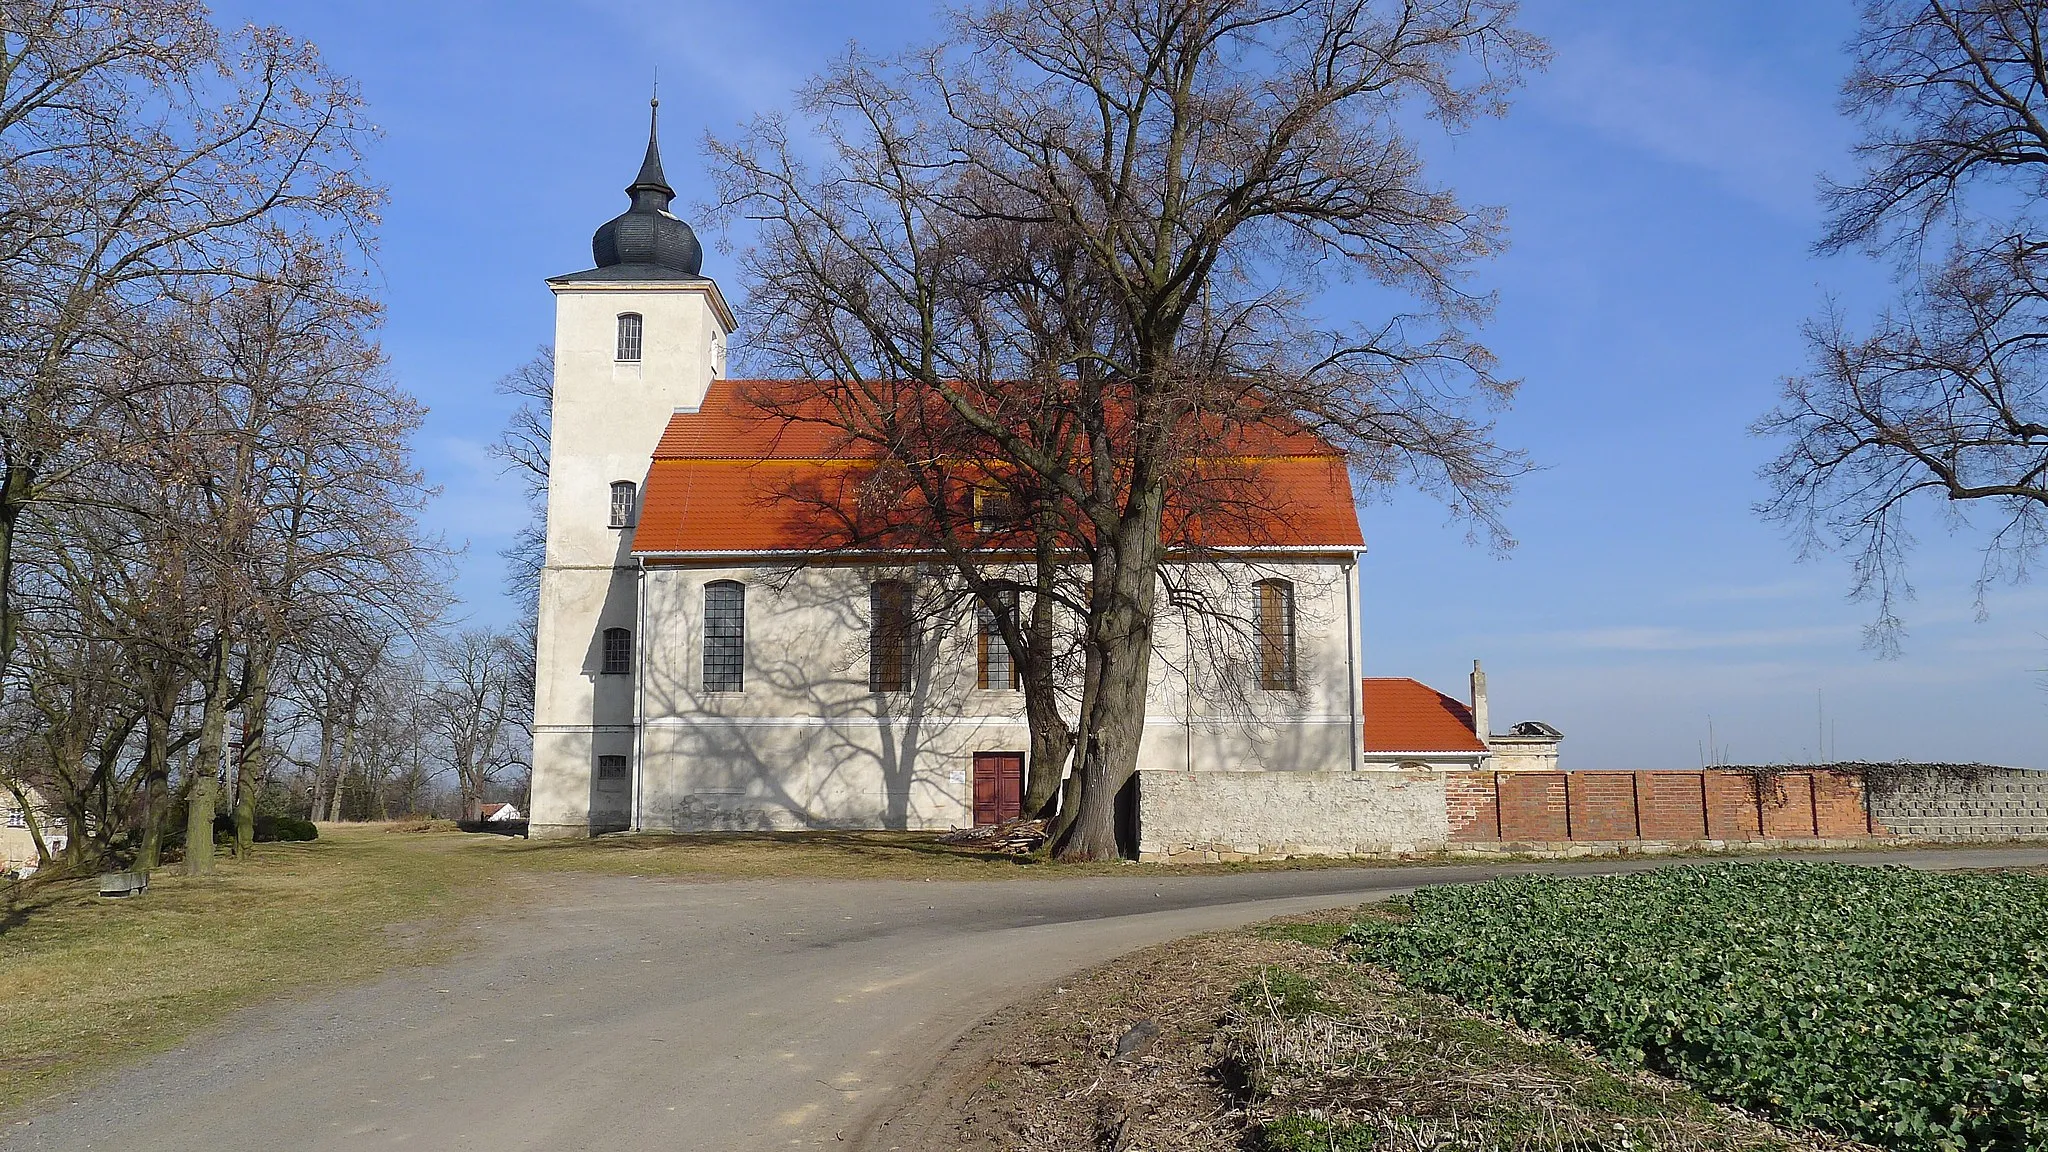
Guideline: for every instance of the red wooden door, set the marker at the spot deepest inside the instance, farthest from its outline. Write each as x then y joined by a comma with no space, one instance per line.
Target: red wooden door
998,787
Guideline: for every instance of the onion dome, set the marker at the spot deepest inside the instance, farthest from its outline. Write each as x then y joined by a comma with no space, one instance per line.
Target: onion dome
646,241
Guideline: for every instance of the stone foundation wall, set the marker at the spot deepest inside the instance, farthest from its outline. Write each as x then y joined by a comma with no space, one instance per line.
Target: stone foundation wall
1219,816
1993,804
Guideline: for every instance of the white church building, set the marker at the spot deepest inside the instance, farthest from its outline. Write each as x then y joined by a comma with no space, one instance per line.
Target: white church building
697,671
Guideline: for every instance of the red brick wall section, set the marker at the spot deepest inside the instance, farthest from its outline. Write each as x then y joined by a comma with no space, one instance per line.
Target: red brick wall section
1475,810
1603,805
1532,806
1788,806
1673,806
1838,806
1731,806
1620,806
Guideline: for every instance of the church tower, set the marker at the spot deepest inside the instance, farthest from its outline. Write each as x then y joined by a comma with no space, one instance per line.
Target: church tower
637,338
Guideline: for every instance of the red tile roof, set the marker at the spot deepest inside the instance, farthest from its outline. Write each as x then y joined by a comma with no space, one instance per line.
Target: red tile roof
1403,715
736,476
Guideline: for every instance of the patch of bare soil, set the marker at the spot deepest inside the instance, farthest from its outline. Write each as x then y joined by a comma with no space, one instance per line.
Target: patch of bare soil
1268,1040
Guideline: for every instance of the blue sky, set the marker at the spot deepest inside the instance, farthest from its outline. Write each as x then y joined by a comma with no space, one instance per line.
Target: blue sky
1659,183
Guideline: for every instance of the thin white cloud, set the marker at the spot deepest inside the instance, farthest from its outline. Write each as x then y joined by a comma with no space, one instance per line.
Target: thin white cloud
1758,141
1657,638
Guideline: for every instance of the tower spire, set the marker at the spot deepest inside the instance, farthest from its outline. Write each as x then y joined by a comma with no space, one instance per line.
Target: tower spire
651,178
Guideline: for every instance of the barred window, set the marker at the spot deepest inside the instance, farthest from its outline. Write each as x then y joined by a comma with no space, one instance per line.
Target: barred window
995,668
891,641
612,771
629,336
618,651
1276,634
17,817
625,495
725,636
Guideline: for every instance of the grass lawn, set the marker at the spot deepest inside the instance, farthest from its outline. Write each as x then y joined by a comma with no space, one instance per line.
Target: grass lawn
86,981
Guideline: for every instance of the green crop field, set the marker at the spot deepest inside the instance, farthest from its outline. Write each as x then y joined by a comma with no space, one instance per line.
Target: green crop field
1905,1009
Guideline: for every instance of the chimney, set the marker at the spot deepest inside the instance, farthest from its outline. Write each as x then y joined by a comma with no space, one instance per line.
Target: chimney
1480,725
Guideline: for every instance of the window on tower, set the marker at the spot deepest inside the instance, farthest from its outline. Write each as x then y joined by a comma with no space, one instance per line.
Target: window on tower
629,336
618,651
624,493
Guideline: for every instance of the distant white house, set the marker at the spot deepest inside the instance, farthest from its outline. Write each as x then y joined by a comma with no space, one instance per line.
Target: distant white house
501,812
17,847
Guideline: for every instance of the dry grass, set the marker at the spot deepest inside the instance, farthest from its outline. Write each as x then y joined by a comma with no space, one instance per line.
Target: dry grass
845,855
1266,1040
86,981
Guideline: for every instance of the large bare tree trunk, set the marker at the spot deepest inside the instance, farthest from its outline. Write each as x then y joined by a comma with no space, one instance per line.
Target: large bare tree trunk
255,728
205,771
1120,625
348,751
1052,741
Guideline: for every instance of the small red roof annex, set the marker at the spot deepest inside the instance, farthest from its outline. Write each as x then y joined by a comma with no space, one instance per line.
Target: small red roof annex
1403,715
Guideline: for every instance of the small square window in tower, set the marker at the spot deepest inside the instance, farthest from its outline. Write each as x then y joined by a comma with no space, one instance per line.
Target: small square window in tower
612,772
625,495
618,651
629,336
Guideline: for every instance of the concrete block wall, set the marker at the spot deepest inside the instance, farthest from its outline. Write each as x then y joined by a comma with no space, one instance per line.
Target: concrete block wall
1994,804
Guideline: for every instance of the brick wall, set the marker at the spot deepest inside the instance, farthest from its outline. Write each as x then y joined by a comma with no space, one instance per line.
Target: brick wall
1608,807
1474,805
1673,805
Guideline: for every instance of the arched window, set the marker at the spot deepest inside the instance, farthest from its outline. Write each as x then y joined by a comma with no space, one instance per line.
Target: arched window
891,641
1276,634
725,636
618,651
994,666
624,494
629,336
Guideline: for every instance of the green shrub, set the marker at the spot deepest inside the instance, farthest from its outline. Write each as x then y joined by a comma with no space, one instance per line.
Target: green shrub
1906,1009
268,829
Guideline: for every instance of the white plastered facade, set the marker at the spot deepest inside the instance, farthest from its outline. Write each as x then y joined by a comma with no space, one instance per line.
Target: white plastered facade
608,416
808,745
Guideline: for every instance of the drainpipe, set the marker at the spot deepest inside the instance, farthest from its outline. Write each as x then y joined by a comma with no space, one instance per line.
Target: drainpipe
1355,642
639,683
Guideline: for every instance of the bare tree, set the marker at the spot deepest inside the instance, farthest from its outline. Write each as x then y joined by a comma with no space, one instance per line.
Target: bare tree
141,153
1093,232
475,696
1941,403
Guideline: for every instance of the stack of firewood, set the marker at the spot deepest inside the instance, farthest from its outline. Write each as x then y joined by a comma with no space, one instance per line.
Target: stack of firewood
1016,837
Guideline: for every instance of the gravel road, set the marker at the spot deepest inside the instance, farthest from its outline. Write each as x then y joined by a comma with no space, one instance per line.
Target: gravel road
624,1014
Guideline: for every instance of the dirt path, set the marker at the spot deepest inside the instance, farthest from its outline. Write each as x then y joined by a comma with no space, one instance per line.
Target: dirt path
631,1014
